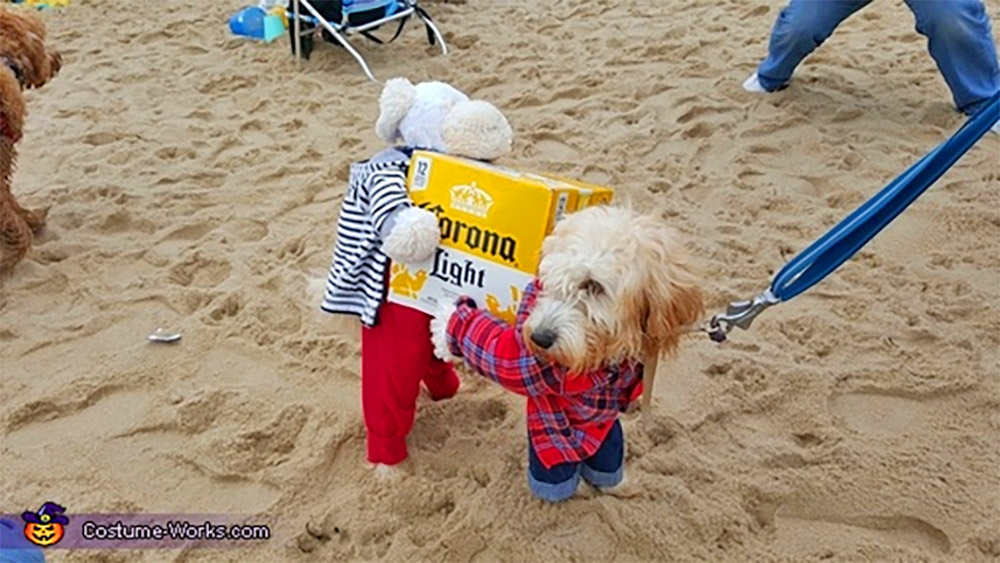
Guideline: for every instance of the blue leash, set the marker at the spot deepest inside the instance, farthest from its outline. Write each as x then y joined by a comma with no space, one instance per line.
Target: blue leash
847,237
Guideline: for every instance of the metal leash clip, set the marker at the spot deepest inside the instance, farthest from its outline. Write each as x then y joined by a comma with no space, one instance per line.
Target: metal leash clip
740,314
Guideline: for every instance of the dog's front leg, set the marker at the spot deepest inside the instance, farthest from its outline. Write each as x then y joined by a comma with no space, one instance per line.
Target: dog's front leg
35,219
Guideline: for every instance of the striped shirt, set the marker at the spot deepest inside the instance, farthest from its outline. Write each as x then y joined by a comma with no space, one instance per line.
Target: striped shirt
356,282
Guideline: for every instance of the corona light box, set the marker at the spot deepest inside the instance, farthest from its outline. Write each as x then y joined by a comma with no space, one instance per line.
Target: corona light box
493,221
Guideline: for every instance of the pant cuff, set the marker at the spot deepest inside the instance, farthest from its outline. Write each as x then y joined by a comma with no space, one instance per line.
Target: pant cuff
970,109
603,479
770,84
443,387
388,451
554,492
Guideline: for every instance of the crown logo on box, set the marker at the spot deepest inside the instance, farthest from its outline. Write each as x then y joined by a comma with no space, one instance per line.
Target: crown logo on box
471,199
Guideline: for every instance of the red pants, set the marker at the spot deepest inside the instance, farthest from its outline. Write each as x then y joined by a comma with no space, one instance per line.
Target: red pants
396,355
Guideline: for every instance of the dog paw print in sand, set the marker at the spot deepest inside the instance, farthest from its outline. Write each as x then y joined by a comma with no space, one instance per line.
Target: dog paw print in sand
337,536
469,455
136,425
200,270
553,148
188,233
322,534
815,529
123,220
293,250
227,84
246,230
253,449
175,240
880,413
173,152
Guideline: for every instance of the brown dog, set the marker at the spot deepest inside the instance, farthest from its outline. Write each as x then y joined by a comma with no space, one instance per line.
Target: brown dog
24,63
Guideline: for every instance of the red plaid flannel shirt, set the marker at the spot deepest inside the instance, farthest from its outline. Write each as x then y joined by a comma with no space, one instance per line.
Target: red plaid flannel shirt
568,416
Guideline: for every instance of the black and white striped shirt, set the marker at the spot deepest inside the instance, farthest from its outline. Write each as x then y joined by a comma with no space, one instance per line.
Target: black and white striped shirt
356,282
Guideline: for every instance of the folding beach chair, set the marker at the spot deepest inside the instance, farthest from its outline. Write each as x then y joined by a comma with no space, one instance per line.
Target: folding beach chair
337,20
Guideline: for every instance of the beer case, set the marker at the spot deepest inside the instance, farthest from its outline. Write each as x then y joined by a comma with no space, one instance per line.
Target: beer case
493,221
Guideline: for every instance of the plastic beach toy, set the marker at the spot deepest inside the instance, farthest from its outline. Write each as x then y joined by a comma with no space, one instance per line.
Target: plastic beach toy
43,4
281,13
255,23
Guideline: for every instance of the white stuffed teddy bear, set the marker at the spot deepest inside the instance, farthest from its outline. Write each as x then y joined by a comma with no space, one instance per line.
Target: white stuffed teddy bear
434,116
378,224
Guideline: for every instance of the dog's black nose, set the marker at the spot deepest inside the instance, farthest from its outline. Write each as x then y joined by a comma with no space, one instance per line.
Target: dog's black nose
544,338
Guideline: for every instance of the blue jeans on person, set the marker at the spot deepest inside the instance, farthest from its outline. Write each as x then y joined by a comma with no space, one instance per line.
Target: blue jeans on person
14,547
605,468
958,32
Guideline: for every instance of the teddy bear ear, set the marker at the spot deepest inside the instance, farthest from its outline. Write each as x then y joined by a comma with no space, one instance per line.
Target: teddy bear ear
477,129
396,100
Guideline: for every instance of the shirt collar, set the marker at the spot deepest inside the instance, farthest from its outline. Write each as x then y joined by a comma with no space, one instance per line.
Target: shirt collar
408,151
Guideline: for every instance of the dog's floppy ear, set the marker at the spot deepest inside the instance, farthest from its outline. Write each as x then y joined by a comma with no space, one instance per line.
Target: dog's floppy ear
674,300
672,296
395,102
22,34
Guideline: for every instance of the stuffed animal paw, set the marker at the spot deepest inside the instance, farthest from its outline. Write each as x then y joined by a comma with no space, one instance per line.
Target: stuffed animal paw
412,237
439,332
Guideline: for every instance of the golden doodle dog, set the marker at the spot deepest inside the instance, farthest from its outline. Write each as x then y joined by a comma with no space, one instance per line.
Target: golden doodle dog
615,290
25,62
616,285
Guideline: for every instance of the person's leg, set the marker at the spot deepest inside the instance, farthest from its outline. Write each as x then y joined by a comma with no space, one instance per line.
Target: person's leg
606,468
801,26
553,484
961,41
392,364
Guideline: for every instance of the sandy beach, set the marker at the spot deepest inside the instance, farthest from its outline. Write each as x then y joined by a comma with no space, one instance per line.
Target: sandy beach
195,178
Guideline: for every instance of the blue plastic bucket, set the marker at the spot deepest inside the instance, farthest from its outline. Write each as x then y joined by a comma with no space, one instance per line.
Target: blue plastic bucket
248,22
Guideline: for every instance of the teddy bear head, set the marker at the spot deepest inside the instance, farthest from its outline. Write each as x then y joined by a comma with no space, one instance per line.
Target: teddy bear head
435,116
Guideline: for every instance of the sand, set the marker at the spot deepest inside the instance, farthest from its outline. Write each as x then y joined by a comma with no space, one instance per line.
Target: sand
195,179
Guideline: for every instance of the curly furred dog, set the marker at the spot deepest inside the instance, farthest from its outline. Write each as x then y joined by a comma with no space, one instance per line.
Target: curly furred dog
615,290
615,285
25,62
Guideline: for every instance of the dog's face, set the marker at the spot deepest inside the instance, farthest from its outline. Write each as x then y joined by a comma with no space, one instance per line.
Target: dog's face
616,285
22,44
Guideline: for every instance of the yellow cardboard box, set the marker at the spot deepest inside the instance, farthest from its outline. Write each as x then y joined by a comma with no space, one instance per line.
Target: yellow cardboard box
493,221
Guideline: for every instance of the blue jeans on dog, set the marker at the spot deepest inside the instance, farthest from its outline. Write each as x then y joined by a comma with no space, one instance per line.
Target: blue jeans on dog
605,468
958,33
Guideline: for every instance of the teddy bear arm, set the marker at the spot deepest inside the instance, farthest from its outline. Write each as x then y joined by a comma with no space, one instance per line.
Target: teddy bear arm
410,234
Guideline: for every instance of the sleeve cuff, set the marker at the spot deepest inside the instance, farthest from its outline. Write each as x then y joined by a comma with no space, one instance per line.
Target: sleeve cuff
465,308
384,220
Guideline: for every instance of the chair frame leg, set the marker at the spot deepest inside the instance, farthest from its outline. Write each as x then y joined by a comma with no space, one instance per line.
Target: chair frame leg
297,26
437,34
337,35
341,38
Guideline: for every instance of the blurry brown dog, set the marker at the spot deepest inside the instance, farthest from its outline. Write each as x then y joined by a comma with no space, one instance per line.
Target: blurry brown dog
24,63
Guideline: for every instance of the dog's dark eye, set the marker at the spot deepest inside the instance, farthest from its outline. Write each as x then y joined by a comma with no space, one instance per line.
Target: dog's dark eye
592,287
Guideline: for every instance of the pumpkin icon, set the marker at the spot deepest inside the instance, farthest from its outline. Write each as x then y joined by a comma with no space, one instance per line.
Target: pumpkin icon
45,527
